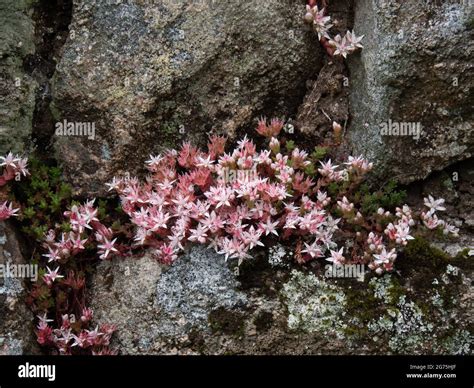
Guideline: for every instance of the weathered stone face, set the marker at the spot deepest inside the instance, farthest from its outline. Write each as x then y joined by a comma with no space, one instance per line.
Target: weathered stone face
156,306
16,320
150,75
17,87
203,305
416,67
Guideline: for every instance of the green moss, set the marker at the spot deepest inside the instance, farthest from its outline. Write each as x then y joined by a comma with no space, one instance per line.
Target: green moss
420,255
387,197
197,341
45,197
397,311
395,291
55,112
422,263
419,252
227,321
362,305
463,260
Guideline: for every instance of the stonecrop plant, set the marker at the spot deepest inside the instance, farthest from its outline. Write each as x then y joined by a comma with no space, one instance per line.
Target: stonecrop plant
60,288
321,23
70,252
14,167
235,202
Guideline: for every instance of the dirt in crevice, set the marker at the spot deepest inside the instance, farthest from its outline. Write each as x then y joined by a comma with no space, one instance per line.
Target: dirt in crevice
52,19
327,99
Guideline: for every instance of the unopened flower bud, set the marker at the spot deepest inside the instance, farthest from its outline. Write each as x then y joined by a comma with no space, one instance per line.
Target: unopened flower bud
308,18
274,145
336,127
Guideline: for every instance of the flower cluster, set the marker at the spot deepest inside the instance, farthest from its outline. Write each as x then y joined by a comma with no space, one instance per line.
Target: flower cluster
431,220
379,250
186,198
13,168
339,45
344,45
74,334
234,202
269,130
71,335
398,232
317,17
85,228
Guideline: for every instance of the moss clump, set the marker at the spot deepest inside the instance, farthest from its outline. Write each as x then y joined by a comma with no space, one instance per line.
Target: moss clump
263,321
197,341
258,274
463,260
395,291
364,307
362,304
421,253
227,322
421,263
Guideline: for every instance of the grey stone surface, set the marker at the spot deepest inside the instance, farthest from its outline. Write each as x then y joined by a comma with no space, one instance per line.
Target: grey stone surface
198,284
199,305
416,67
153,305
17,87
142,70
16,320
